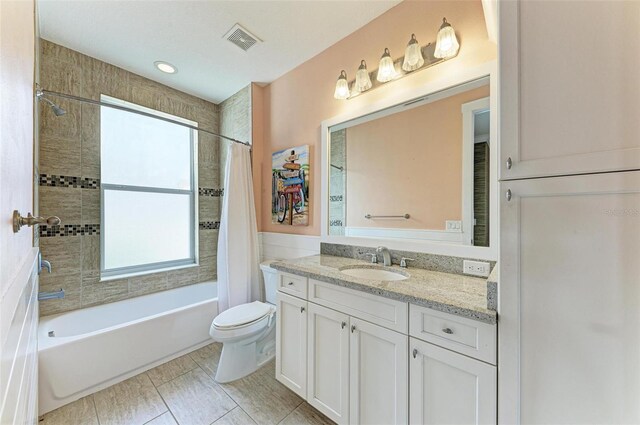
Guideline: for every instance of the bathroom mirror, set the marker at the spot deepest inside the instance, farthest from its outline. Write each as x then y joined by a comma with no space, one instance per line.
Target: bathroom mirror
419,171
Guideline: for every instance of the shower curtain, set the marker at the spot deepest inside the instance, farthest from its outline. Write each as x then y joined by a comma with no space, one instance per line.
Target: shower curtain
238,251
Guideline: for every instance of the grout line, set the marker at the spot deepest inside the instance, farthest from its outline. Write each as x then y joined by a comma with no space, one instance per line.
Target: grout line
95,408
153,419
167,405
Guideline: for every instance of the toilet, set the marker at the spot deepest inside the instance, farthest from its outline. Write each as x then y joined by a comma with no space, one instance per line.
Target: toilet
247,332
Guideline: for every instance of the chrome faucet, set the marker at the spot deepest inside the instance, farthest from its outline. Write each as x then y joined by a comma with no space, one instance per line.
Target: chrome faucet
43,296
386,255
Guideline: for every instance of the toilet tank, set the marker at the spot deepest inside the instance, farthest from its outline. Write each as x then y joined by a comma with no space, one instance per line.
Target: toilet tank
270,281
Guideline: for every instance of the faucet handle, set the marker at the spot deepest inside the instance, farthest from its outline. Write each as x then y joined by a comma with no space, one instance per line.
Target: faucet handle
403,261
374,257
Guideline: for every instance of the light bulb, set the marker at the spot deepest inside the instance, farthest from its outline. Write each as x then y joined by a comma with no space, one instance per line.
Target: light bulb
363,81
342,87
413,55
446,44
386,69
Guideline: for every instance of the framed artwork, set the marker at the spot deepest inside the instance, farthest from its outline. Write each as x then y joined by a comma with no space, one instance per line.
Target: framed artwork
290,186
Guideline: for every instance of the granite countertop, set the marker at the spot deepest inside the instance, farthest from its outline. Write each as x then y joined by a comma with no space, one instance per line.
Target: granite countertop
462,295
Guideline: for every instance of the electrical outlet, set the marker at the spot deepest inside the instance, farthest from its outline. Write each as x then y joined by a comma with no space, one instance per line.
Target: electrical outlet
453,226
476,268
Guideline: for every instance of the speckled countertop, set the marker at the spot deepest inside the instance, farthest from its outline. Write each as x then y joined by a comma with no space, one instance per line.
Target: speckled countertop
462,295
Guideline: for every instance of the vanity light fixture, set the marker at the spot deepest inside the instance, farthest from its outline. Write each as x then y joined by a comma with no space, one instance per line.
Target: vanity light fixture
342,86
446,44
413,55
363,81
386,69
165,67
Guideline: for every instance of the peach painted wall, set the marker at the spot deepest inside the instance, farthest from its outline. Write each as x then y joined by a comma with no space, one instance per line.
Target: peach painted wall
418,153
295,104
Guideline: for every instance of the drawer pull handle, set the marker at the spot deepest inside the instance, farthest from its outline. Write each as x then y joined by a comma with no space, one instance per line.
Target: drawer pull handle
301,309
343,325
447,331
415,353
508,195
353,328
290,283
509,163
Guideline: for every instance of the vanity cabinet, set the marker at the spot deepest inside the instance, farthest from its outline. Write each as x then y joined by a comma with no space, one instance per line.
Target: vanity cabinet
563,110
449,388
351,355
291,343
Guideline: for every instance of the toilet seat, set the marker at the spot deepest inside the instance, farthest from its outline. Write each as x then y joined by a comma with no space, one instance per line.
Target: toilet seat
242,315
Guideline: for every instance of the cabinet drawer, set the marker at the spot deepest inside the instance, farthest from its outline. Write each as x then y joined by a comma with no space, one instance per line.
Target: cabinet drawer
382,311
293,285
466,336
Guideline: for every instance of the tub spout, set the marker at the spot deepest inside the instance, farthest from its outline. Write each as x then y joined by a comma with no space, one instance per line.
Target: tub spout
42,296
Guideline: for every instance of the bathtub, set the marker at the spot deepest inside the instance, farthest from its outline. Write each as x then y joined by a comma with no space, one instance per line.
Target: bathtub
84,351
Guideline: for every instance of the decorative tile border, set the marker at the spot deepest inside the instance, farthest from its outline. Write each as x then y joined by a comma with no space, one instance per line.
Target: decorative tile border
209,225
89,183
69,230
203,191
69,181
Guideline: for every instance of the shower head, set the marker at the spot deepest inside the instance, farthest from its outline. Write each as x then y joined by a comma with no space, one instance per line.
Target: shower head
57,110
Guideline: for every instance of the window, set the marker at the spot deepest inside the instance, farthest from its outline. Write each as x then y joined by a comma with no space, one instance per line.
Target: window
148,202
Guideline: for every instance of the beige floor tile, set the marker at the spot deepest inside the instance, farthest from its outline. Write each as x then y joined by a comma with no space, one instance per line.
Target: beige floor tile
164,419
306,415
266,400
80,412
195,399
131,402
170,370
236,417
208,357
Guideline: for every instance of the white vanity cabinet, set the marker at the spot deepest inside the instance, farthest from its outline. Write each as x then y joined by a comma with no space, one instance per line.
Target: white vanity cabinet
449,388
349,354
291,343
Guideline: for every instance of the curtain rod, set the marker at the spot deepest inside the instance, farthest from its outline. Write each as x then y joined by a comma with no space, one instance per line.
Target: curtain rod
146,114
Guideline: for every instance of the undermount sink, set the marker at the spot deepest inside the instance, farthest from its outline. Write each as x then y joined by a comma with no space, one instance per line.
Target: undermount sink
373,273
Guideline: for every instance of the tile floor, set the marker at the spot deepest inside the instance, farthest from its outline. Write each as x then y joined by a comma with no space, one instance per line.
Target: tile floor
183,392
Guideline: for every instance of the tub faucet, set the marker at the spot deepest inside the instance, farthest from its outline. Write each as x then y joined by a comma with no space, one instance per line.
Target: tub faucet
386,256
42,296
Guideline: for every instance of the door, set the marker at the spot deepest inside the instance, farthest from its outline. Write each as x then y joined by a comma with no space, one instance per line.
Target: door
377,375
18,277
565,109
291,343
570,300
449,388
328,374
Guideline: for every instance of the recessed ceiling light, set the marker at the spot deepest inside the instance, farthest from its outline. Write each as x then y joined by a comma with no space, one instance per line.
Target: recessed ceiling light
165,67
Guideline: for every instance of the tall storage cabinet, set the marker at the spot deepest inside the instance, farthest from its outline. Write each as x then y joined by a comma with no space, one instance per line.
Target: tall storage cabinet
570,212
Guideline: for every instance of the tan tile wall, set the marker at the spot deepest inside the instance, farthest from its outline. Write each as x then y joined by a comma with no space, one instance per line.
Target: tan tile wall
70,146
235,121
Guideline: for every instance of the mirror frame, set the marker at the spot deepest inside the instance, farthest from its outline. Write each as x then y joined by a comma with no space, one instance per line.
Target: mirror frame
486,70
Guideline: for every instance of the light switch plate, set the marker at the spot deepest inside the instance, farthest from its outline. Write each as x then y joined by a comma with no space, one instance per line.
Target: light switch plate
453,226
476,268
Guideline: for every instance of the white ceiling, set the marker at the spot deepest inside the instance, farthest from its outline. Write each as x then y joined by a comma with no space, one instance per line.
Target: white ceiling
132,34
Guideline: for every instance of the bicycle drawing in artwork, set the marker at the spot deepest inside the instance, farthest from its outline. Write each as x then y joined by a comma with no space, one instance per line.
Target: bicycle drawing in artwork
290,186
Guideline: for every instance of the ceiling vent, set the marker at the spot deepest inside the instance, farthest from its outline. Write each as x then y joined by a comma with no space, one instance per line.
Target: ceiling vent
241,37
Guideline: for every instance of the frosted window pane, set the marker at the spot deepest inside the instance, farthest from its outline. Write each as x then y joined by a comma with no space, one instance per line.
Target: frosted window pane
144,228
143,151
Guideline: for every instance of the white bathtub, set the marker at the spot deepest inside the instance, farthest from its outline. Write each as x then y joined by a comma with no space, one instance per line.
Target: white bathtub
96,347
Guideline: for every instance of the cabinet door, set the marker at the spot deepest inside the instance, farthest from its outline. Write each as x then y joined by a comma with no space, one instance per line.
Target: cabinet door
449,388
328,366
291,343
570,300
569,98
377,375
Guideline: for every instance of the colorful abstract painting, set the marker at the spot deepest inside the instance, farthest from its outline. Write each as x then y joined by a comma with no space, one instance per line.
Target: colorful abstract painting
290,186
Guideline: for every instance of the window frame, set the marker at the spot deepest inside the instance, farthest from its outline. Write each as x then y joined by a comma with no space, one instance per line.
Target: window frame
148,268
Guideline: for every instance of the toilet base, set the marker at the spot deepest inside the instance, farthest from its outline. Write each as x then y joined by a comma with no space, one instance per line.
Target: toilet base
239,359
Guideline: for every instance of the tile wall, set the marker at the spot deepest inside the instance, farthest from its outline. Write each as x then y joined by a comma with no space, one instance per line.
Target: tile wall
69,180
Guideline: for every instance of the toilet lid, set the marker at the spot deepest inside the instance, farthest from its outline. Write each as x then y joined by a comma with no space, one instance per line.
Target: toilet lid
242,314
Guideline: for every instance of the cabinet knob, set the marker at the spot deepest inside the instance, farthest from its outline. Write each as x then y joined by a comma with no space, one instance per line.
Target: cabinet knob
509,163
353,328
508,195
447,331
301,309
343,325
415,353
